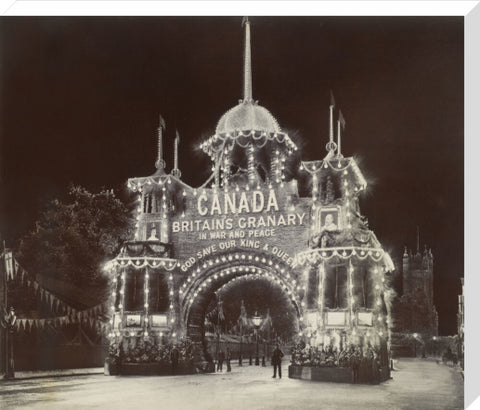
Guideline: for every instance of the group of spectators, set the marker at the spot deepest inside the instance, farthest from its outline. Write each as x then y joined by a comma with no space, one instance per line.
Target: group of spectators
366,362
331,356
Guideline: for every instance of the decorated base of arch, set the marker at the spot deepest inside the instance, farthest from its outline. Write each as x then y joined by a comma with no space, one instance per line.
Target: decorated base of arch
365,375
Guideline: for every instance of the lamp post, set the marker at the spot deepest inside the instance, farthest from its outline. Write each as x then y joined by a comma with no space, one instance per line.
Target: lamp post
256,320
8,323
241,343
435,346
415,343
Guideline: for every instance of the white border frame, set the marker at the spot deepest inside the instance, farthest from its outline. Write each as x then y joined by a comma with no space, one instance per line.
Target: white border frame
469,9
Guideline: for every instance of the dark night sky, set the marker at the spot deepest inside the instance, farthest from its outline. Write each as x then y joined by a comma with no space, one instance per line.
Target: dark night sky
80,99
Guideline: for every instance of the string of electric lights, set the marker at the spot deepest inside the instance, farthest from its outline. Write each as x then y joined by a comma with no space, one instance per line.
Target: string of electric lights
259,137
347,252
342,165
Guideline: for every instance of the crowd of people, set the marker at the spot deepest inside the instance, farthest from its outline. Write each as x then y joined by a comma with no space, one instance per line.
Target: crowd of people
366,362
332,356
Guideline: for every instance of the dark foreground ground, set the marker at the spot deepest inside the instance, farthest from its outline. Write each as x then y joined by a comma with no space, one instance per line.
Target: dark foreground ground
416,384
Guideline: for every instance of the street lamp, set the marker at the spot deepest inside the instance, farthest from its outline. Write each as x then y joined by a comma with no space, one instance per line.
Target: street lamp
8,323
435,346
415,335
256,320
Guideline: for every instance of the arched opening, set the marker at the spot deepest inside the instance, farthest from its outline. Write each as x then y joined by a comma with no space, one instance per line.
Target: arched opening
221,297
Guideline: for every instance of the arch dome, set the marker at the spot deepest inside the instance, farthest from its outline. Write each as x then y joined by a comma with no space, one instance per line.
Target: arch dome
247,115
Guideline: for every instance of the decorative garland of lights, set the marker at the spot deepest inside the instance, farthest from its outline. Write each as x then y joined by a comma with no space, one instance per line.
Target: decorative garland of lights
191,293
376,254
321,290
350,287
263,275
144,261
193,285
145,327
141,202
378,302
136,184
146,293
313,167
251,164
346,194
262,137
121,292
171,297
256,273
201,267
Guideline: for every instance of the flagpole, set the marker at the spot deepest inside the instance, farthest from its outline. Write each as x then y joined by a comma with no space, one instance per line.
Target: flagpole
160,164
332,105
175,159
339,139
331,123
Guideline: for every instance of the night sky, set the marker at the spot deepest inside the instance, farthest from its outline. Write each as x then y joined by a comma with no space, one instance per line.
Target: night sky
80,99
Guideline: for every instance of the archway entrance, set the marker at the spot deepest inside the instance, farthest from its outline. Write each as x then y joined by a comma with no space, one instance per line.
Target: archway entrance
221,296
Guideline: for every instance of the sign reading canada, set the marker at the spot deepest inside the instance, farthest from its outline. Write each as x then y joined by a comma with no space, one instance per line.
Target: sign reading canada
271,221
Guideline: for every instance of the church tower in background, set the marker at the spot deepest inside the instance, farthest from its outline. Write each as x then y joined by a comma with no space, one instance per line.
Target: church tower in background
415,310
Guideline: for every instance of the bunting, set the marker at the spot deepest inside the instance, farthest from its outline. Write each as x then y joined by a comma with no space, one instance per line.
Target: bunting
91,316
14,269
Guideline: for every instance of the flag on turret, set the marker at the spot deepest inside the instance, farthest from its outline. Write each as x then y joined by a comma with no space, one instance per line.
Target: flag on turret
161,123
341,119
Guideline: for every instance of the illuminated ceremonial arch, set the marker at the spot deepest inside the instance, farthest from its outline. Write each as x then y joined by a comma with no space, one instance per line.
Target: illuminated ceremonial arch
252,221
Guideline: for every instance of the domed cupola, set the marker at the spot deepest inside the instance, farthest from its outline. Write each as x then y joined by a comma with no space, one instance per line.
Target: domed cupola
248,143
246,116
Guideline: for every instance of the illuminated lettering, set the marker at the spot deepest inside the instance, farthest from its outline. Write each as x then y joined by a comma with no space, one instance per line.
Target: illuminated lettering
202,210
243,206
272,201
215,206
230,203
258,201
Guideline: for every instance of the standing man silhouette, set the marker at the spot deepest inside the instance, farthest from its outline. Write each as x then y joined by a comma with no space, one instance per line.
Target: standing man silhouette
277,362
221,358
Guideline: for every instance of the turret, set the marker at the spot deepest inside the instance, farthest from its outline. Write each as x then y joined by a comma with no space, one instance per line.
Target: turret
248,146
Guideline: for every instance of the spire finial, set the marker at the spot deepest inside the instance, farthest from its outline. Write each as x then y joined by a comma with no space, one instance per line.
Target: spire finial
341,126
160,163
176,171
331,145
247,64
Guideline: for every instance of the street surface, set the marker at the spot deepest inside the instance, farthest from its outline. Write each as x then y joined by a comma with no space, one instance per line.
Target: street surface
416,384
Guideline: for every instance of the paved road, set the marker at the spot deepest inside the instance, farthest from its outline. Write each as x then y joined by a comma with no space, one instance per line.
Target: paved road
417,384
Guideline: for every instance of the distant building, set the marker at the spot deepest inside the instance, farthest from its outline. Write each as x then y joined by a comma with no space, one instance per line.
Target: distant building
414,310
